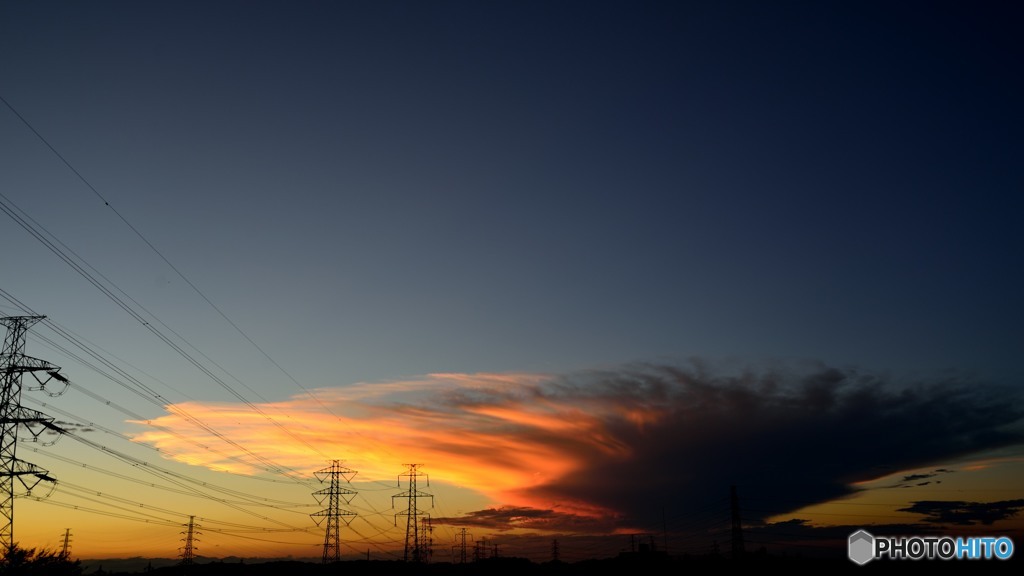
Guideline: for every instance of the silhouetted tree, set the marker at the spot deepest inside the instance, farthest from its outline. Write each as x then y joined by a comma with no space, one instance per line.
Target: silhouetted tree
33,562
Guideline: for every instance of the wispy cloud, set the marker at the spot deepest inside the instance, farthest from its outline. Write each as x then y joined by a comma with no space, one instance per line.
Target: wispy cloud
620,446
506,518
965,513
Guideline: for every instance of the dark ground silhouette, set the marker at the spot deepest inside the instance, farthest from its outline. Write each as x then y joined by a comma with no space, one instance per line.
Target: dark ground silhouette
627,563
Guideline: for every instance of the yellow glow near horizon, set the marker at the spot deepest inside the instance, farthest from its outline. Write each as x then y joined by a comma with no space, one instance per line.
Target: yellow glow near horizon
879,500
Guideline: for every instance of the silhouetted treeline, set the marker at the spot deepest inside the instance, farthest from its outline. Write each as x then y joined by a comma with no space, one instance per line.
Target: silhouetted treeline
628,564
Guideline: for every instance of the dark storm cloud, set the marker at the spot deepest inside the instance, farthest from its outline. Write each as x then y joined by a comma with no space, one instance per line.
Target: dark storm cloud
786,437
965,513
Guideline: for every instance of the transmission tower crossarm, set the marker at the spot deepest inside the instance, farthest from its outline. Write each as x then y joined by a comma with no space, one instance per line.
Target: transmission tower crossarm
23,363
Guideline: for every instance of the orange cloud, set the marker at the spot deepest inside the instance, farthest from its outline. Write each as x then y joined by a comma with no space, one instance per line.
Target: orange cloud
495,434
607,447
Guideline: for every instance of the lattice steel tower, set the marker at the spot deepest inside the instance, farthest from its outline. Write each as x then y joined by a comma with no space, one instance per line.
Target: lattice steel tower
426,539
65,551
188,552
737,525
459,549
15,473
333,494
413,546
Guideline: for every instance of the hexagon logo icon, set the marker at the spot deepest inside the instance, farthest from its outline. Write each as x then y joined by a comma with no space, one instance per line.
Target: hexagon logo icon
861,547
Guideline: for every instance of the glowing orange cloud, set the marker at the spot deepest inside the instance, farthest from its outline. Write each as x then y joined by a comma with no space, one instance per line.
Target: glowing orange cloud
496,434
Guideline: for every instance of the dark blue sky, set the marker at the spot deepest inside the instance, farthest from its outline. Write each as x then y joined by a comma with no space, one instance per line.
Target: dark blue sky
409,187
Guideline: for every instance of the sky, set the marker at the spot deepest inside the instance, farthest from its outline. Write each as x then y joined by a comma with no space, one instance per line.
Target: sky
588,265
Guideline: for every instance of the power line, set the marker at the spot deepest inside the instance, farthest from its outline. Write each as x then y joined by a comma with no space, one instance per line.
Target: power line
132,306
33,228
8,207
163,402
162,257
249,500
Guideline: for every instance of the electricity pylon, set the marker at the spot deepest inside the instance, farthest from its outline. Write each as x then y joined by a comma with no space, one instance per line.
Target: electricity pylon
333,494
426,539
65,550
188,552
13,416
737,525
413,547
460,547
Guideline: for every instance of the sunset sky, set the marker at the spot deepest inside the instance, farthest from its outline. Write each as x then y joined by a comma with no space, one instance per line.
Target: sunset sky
587,264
